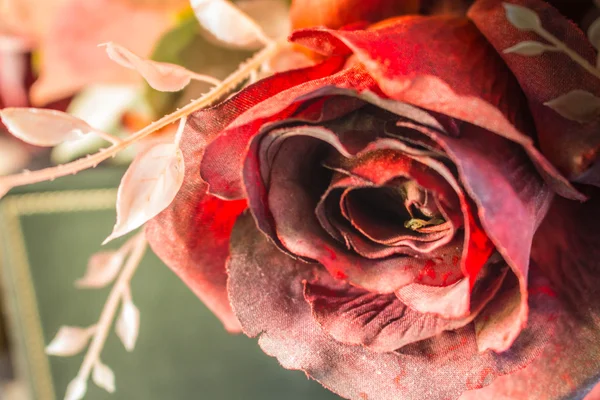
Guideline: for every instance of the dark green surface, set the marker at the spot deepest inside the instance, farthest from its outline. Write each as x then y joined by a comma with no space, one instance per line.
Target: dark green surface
182,352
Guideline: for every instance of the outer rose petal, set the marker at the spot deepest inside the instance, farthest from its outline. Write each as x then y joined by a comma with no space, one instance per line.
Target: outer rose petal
192,235
567,250
381,322
337,13
440,368
222,163
571,146
414,60
489,164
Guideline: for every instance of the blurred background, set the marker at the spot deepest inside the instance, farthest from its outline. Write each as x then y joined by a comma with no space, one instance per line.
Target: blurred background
49,58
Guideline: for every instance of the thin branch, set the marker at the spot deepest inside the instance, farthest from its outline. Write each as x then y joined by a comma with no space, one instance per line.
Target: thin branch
91,161
112,303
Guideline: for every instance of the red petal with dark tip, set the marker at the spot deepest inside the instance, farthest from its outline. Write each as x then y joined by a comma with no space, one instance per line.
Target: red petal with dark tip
192,235
439,368
413,60
489,164
566,249
571,146
224,157
337,13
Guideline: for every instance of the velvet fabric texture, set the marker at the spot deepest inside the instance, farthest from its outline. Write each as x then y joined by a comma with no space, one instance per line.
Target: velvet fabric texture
406,219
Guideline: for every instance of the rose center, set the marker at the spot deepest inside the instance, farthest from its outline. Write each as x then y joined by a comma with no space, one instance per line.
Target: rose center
390,210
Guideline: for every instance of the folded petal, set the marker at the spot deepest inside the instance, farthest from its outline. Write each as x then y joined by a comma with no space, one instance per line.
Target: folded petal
479,89
224,156
337,13
566,249
489,164
382,322
439,368
573,147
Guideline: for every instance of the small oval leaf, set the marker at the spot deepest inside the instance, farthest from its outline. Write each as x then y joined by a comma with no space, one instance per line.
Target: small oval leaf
69,341
102,268
593,33
522,18
148,187
529,48
42,127
164,77
228,24
103,376
577,105
128,324
76,389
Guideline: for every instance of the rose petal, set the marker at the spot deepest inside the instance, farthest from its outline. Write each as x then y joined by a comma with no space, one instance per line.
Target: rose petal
566,248
439,368
224,156
490,164
481,90
572,146
381,322
337,13
191,236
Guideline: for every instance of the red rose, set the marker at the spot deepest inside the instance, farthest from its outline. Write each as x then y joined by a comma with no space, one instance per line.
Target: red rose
378,212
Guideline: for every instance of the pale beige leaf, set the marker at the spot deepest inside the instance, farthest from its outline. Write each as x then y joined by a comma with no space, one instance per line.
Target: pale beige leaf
76,389
103,376
128,324
148,187
529,48
164,77
228,24
273,16
69,341
577,105
102,269
43,127
522,18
